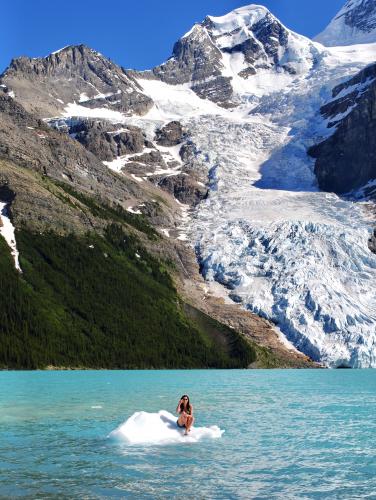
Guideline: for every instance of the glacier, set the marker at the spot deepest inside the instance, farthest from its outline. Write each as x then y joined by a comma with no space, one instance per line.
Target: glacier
296,256
277,244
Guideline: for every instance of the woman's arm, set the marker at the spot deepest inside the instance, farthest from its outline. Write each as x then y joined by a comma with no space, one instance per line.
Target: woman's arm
192,410
178,407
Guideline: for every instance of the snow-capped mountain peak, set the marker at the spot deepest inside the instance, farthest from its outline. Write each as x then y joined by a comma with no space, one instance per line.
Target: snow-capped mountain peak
255,40
239,20
355,23
220,55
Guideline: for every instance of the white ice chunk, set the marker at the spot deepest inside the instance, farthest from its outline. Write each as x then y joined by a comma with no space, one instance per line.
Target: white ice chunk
160,428
136,212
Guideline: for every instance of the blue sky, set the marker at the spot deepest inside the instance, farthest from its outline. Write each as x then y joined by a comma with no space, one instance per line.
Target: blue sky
135,34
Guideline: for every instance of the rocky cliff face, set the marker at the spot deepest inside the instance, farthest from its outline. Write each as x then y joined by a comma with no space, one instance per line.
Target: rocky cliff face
161,160
79,74
28,142
33,155
106,140
354,23
210,58
372,242
347,159
171,134
197,59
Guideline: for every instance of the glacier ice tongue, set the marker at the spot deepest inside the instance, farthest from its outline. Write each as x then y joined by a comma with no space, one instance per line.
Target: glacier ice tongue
304,276
285,250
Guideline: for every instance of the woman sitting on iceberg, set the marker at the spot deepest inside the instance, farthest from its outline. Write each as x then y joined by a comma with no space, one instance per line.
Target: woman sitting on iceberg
185,411
161,428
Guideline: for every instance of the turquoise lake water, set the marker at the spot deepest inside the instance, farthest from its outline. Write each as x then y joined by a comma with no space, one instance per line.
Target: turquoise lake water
288,434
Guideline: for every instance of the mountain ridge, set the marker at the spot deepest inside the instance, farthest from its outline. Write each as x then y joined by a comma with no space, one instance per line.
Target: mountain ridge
354,23
96,81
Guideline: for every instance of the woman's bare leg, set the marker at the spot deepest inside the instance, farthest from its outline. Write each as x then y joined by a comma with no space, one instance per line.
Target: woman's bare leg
189,423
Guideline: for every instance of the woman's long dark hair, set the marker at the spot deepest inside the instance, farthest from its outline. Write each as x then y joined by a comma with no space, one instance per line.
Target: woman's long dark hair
188,403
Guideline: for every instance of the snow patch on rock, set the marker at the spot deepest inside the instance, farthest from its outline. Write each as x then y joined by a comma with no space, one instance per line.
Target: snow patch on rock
7,232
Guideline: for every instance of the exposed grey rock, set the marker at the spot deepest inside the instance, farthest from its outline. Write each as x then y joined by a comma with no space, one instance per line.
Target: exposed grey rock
372,242
80,74
45,85
152,158
184,188
194,161
144,164
194,57
263,48
95,137
188,152
6,193
197,59
246,73
219,90
347,159
135,168
109,144
107,141
170,135
33,156
129,141
103,138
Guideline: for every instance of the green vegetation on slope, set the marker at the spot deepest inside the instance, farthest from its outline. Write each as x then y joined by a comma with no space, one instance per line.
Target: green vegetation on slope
234,344
237,345
102,210
100,302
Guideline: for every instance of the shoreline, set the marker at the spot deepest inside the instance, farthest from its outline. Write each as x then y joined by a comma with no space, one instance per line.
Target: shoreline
86,369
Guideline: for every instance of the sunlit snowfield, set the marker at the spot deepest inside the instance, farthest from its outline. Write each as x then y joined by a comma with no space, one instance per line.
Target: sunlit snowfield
288,434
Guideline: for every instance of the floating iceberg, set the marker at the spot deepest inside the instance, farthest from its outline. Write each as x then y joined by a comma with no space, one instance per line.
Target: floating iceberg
160,428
